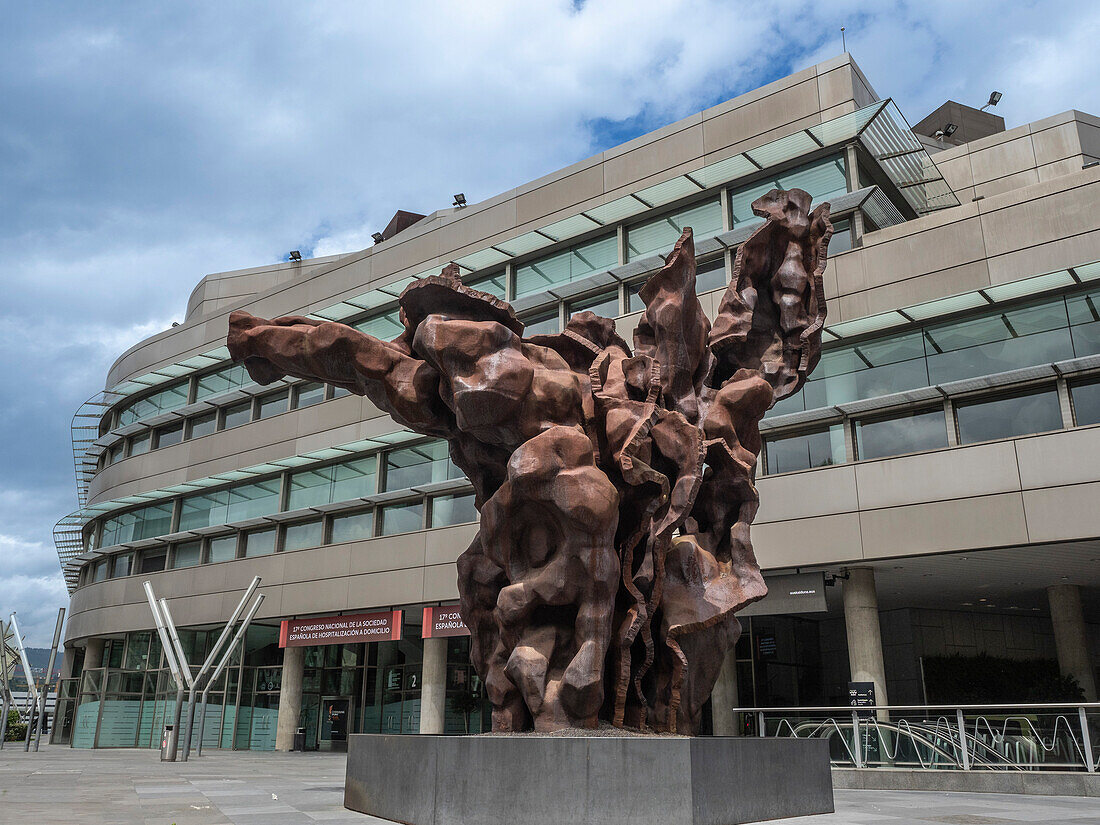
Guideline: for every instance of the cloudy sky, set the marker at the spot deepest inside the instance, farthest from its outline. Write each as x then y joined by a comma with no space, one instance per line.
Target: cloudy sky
143,145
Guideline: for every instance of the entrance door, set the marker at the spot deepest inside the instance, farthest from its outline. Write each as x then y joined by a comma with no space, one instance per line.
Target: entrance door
335,713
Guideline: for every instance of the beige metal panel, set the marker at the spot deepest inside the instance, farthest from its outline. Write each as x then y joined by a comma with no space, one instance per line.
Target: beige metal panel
846,269
1017,180
387,553
952,473
817,540
913,290
753,141
318,441
443,545
1006,158
317,563
754,97
960,524
560,194
820,492
1045,257
956,171
836,87
655,157
1067,457
625,325
380,590
925,248
772,112
395,255
1062,513
440,583
1061,168
314,597
1056,143
476,228
1046,211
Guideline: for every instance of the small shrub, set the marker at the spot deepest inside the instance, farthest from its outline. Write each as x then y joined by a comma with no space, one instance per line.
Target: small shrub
17,731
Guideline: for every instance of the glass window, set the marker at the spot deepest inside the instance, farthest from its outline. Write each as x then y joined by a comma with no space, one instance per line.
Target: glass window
493,284
898,435
167,436
567,266
711,276
418,465
146,523
842,237
354,479
822,179
99,572
305,534
259,543
659,235
308,488
456,509
546,323
339,392
170,398
402,518
1008,416
806,450
998,342
606,305
114,453
1084,320
252,500
1086,403
306,395
236,415
269,405
224,380
353,527
122,565
152,561
187,554
223,548
385,326
203,424
204,510
140,443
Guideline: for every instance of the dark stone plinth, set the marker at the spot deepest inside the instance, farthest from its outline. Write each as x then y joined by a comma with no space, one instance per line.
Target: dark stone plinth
597,780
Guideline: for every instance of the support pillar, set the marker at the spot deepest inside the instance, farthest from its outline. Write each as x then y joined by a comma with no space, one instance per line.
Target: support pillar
93,654
290,697
433,691
723,699
68,656
864,634
1070,636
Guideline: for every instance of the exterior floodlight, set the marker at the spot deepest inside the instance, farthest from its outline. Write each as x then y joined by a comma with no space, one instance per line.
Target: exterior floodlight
377,237
460,200
295,255
949,129
994,99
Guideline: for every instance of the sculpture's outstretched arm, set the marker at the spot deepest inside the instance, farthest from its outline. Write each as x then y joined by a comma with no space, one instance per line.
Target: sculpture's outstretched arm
404,386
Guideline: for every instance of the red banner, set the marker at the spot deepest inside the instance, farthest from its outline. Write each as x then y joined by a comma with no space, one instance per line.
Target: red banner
335,630
441,622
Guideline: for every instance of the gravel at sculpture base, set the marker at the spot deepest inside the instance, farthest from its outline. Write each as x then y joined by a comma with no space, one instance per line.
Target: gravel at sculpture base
615,484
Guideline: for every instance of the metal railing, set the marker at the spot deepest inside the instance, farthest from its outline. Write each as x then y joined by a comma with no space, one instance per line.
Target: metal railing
1025,737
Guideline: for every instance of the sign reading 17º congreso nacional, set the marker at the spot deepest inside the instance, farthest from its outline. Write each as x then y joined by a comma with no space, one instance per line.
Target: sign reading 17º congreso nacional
334,630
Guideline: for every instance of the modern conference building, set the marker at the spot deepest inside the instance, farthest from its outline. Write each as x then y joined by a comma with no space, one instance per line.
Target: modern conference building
931,499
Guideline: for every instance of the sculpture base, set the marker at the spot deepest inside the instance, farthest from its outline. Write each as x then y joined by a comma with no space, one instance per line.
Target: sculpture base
548,780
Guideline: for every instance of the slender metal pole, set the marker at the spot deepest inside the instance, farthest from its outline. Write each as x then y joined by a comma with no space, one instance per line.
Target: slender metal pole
221,666
32,686
858,752
185,669
49,674
192,695
170,656
962,740
1086,740
4,693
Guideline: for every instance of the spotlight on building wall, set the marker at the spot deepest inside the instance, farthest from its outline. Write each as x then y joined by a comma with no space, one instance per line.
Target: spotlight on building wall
460,200
377,237
994,99
295,255
947,131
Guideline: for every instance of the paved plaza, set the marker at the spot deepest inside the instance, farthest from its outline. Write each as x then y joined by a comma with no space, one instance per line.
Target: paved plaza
132,787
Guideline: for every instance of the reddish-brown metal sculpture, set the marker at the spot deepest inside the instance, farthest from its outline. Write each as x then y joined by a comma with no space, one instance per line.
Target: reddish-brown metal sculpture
616,487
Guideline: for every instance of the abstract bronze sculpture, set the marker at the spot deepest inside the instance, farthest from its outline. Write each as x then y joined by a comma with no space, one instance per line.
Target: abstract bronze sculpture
616,488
